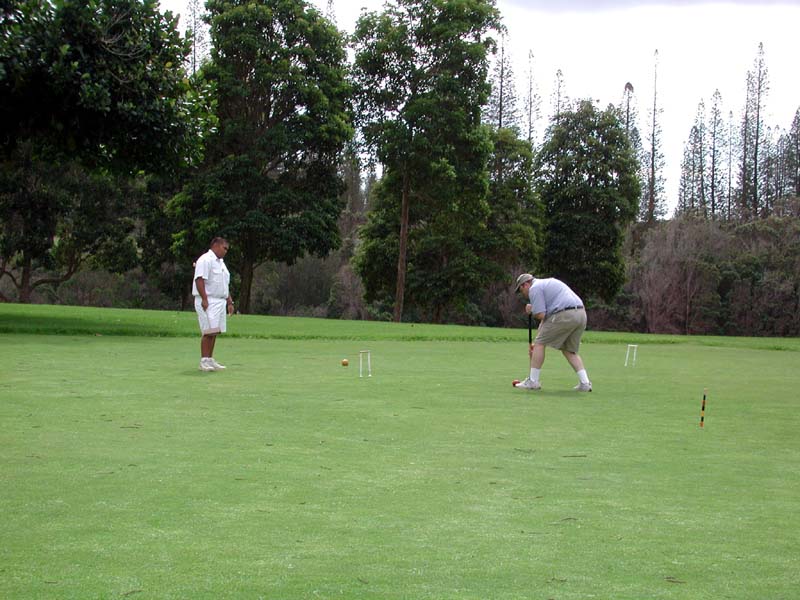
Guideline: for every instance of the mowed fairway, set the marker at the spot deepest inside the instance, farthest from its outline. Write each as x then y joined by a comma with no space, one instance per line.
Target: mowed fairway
126,473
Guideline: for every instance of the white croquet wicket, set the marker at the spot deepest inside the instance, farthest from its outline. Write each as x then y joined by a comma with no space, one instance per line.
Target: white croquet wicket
633,347
364,354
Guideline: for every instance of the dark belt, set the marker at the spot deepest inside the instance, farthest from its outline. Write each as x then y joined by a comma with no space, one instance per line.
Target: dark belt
567,308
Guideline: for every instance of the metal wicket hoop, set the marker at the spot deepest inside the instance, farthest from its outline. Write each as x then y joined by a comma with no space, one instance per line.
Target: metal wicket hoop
362,354
633,347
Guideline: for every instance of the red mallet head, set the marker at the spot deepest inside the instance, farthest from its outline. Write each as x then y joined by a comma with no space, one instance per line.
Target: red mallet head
515,382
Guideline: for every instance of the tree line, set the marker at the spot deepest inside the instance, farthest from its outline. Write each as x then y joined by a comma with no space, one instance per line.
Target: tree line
402,183
740,170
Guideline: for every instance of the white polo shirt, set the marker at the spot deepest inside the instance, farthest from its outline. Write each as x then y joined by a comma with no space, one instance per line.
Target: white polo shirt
551,296
215,273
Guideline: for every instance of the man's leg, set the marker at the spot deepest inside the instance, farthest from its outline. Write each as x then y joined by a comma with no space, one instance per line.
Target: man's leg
206,350
537,360
207,346
573,340
537,356
574,359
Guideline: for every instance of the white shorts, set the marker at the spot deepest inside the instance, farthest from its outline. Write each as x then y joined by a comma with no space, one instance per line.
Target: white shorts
213,320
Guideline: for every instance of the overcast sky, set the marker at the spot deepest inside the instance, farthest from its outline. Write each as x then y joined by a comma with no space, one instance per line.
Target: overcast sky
601,5
600,45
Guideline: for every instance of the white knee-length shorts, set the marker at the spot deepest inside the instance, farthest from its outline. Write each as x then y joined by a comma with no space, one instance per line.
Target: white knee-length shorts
213,320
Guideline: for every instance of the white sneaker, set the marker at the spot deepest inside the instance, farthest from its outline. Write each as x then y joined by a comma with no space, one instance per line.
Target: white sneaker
205,365
583,387
529,384
216,365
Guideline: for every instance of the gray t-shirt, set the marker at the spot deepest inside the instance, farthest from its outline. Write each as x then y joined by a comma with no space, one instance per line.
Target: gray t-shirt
551,295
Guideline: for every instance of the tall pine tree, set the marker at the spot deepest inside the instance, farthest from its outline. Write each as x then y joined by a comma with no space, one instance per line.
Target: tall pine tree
654,206
533,104
753,131
501,111
793,156
717,142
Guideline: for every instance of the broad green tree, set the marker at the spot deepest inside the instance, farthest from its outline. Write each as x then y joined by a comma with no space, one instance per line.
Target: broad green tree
421,75
60,216
99,80
169,266
586,175
270,181
515,230
90,92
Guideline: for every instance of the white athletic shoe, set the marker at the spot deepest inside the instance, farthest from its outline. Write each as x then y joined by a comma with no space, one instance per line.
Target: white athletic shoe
583,387
216,365
529,384
205,365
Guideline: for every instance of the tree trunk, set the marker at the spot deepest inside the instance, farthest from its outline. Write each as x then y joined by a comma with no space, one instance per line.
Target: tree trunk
401,255
187,300
25,288
437,314
247,284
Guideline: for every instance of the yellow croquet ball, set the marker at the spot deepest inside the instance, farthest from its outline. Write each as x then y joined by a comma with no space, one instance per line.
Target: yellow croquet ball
345,362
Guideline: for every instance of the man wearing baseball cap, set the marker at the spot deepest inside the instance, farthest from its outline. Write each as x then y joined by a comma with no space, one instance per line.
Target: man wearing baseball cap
562,321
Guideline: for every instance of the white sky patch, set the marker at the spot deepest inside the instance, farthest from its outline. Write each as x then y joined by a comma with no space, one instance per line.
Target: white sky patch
600,45
701,48
601,5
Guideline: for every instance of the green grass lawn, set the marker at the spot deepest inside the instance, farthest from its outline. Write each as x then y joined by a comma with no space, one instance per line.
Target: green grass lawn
127,473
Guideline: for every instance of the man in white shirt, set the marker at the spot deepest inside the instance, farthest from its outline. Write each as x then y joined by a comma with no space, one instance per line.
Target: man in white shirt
212,300
562,321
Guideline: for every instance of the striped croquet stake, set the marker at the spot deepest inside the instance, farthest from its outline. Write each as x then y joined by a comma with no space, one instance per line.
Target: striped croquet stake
703,409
